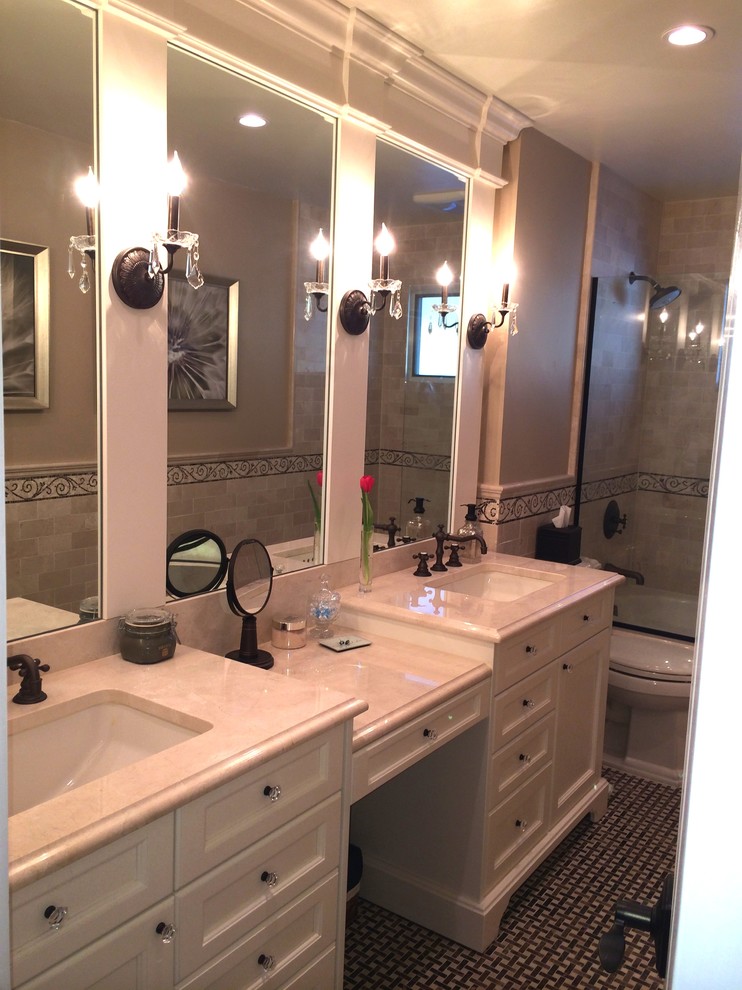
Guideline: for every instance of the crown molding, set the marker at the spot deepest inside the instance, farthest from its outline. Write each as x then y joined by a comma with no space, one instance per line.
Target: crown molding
378,48
132,11
323,22
503,122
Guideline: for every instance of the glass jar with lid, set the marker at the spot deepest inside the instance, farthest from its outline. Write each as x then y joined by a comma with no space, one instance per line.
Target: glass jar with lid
147,635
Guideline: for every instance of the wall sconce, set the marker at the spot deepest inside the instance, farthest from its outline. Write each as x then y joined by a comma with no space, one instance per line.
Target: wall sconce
86,188
444,277
355,309
138,275
480,326
317,291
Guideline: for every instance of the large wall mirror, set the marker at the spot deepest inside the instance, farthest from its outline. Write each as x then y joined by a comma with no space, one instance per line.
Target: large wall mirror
247,356
47,87
413,359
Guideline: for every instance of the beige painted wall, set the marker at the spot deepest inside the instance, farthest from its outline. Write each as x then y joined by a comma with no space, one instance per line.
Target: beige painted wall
37,172
550,217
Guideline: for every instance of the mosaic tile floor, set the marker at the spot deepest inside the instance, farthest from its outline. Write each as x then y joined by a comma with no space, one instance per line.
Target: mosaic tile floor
549,935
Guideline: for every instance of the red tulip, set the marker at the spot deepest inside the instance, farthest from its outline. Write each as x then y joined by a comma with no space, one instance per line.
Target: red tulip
319,478
367,483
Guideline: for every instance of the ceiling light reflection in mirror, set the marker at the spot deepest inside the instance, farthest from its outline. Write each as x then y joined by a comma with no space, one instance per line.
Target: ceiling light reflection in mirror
413,358
248,351
47,93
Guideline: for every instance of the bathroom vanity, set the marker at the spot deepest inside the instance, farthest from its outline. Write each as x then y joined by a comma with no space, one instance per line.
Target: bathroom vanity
471,724
474,820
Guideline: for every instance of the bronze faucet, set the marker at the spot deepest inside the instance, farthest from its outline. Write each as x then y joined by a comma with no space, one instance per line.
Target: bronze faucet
440,539
29,672
391,529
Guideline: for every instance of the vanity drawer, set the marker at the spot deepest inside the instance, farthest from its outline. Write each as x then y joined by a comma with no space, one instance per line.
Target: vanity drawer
216,910
318,975
517,825
379,761
289,940
225,821
520,760
520,656
100,891
520,706
586,619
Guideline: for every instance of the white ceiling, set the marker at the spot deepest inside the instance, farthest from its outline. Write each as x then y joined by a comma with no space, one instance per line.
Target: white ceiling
596,76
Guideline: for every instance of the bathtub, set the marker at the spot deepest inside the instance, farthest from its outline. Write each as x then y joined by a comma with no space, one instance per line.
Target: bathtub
653,609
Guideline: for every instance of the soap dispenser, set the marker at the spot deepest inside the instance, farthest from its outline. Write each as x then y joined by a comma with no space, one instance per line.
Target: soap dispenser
417,528
471,551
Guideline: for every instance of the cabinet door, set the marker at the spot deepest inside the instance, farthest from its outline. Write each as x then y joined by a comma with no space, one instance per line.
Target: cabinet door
133,957
582,680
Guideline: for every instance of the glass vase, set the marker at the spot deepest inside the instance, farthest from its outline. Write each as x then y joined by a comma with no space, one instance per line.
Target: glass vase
365,570
317,545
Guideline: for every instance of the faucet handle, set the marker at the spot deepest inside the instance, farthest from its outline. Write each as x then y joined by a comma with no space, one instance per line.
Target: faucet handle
422,567
453,560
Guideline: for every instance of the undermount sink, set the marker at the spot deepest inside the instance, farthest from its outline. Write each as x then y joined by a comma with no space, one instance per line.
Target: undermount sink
497,584
55,750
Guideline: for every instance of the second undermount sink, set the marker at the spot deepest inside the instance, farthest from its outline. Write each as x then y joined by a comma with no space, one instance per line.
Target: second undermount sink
55,750
498,584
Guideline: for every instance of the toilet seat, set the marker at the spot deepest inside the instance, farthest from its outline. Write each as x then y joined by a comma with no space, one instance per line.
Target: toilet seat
651,658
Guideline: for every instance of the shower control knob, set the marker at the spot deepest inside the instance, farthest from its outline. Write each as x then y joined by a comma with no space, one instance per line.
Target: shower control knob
655,920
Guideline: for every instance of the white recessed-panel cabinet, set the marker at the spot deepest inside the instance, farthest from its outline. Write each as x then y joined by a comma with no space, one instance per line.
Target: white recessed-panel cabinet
239,888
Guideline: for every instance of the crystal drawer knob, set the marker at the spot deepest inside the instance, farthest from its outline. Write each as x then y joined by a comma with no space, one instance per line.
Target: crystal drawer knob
431,734
529,703
525,758
532,650
55,916
567,667
521,823
266,961
586,618
270,878
166,932
273,793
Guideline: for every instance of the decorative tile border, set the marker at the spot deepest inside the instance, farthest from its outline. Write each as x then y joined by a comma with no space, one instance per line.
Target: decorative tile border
41,487
408,458
510,509
248,467
673,485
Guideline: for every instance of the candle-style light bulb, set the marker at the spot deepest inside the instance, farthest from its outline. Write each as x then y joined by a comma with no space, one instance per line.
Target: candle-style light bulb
86,189
699,327
384,244
320,250
176,183
444,277
664,316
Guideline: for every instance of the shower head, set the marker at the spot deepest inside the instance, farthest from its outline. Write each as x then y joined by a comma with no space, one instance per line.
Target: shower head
663,295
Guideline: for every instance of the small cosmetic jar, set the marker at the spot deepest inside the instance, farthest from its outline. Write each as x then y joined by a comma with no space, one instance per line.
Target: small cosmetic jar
289,632
147,635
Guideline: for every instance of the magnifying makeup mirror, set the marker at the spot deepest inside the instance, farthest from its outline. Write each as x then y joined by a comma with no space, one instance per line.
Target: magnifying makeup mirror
196,563
249,585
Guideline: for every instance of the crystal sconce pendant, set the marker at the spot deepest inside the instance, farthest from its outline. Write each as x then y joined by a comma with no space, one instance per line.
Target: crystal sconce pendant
86,188
355,309
138,274
316,292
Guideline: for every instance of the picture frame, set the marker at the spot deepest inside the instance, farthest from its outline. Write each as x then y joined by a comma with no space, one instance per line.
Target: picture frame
202,343
24,315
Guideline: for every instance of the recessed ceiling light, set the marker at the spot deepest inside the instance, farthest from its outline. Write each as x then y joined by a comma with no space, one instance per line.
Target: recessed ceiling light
689,34
253,120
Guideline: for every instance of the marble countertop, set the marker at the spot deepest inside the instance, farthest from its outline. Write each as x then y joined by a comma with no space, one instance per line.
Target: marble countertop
254,716
431,612
397,681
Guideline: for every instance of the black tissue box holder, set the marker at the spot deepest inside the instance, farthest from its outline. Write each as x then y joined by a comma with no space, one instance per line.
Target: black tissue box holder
559,545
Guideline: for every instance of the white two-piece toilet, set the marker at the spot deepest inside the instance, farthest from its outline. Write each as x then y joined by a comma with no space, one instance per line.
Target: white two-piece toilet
649,683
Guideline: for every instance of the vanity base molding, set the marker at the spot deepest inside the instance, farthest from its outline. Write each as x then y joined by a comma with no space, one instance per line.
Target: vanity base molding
471,923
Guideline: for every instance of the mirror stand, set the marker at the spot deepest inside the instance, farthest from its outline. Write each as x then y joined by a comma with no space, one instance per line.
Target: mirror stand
248,651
